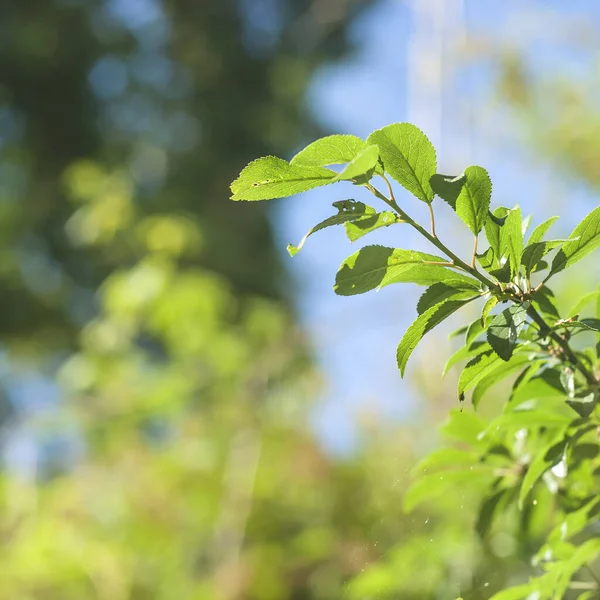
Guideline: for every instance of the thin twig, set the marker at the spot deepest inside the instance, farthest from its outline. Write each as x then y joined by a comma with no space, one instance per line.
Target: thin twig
474,253
430,205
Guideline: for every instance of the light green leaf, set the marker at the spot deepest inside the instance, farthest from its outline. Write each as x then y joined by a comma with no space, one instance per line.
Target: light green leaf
511,239
330,150
475,370
452,289
546,457
374,267
493,225
465,427
448,187
348,210
271,177
487,308
422,325
464,353
583,302
355,229
534,253
537,235
408,156
500,372
429,487
362,167
584,555
446,457
518,592
473,202
588,239
504,329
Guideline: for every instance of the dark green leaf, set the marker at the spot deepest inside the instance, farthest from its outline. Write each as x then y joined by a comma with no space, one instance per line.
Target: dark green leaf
473,202
534,253
486,513
422,325
408,156
374,267
583,405
448,187
544,301
271,177
504,329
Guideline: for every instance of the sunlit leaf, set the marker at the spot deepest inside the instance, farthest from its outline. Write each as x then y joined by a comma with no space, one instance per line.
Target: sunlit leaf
503,331
271,177
473,201
451,289
511,239
408,156
330,150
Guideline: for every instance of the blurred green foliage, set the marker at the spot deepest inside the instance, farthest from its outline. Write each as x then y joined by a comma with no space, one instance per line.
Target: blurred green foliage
174,455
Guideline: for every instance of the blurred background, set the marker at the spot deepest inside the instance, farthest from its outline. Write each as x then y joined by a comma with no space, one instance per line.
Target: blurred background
185,411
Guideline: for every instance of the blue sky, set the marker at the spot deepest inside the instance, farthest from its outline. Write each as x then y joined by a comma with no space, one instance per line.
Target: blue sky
355,338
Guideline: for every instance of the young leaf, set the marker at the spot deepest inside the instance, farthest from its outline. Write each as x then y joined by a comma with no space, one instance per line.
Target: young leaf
476,369
348,210
511,239
588,239
492,226
424,323
473,202
271,177
377,266
330,150
356,228
504,330
452,289
500,372
537,235
408,156
487,307
362,166
464,353
534,253
447,187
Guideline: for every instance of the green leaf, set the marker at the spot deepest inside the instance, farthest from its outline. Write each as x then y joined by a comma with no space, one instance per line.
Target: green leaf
330,150
547,456
408,156
486,513
446,457
533,253
500,372
476,369
518,592
504,329
473,202
492,230
271,177
448,187
540,231
588,239
583,324
465,427
356,228
544,301
429,487
422,325
583,302
511,239
452,289
583,405
486,259
362,167
487,307
377,266
464,353
584,555
348,210
474,330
